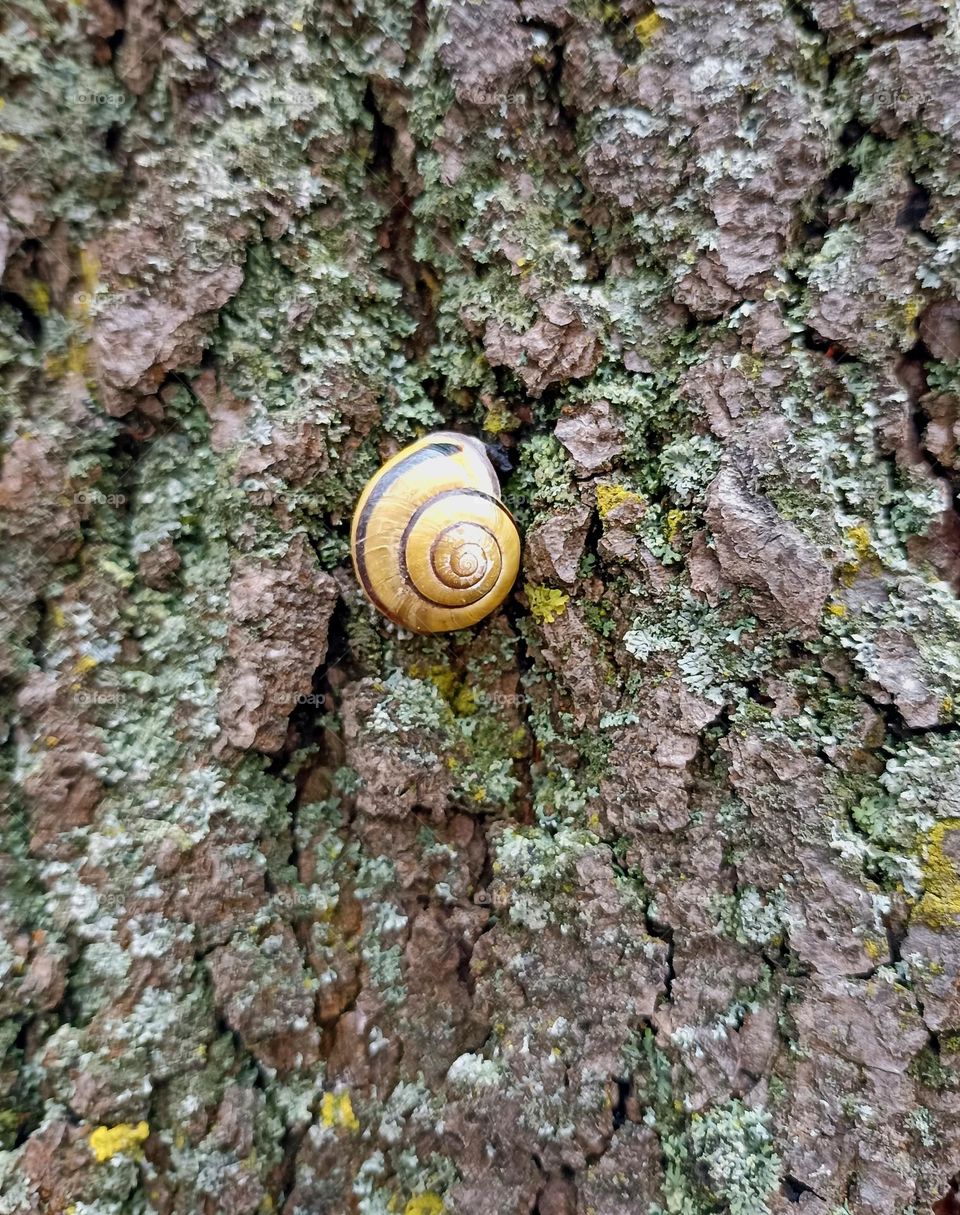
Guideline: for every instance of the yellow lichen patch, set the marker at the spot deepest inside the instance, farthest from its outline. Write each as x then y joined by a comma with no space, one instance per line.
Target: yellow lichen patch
442,678
940,906
336,1112
73,360
84,664
674,524
647,26
459,696
89,270
117,572
518,743
609,497
108,1141
912,309
424,1204
860,538
38,297
76,361
836,609
546,603
751,368
873,949
498,417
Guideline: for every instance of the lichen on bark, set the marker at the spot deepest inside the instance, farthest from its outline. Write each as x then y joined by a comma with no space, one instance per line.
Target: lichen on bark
642,896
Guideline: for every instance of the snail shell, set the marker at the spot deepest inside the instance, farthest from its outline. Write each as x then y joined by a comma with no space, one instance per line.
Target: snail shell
433,546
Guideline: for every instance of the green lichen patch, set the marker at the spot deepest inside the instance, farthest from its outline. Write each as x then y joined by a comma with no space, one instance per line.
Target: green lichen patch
479,743
719,1159
733,1144
710,653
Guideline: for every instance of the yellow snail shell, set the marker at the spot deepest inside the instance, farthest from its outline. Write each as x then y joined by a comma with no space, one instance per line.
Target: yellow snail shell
433,546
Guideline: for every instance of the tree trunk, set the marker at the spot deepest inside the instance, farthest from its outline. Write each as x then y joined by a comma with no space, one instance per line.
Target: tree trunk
643,896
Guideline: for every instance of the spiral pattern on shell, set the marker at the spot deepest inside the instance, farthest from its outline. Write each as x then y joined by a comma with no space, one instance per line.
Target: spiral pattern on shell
433,546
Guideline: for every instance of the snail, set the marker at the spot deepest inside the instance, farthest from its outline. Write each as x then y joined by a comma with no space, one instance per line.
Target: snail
433,546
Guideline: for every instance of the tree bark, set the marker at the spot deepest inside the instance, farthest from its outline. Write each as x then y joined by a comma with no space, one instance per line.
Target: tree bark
643,895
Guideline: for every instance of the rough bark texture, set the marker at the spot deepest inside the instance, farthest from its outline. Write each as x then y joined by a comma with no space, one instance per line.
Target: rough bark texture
642,897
